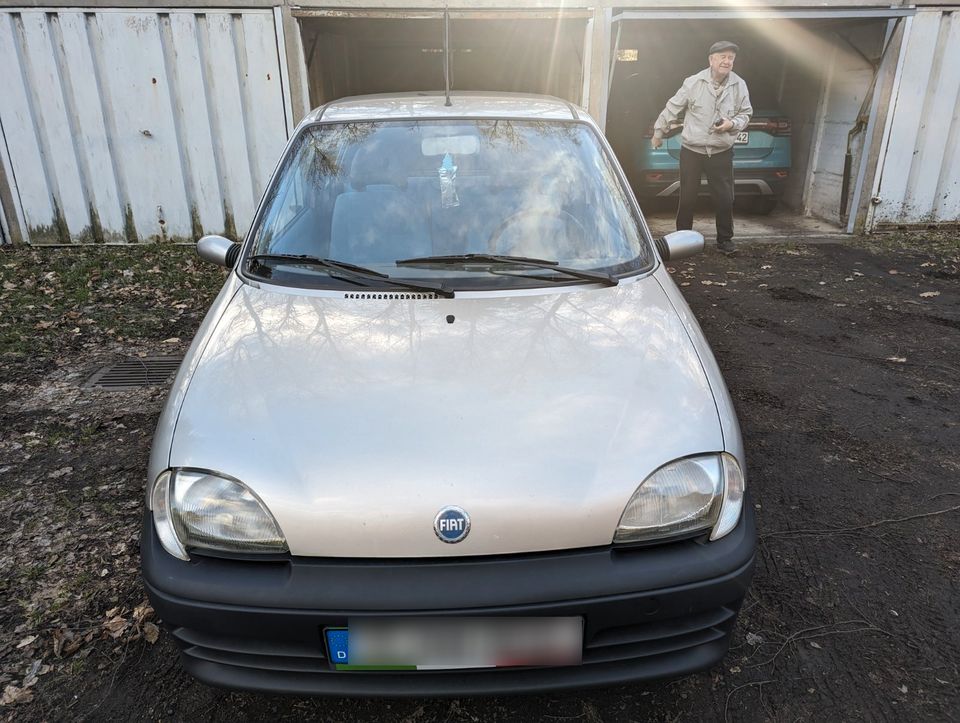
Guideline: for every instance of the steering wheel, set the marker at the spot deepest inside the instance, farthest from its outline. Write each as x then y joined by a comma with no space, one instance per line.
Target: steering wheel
568,220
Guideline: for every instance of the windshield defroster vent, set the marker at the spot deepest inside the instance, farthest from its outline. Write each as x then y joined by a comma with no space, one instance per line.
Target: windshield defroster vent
136,372
388,296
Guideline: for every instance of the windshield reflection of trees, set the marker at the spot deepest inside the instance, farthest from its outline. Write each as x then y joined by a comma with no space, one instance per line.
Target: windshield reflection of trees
535,188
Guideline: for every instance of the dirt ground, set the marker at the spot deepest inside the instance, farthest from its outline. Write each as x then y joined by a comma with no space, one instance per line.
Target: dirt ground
844,364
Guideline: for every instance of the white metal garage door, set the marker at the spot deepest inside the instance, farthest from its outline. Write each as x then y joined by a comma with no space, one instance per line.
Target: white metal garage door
125,126
920,182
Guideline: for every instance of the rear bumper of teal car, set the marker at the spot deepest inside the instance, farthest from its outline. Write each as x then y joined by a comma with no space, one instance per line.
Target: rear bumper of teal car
759,170
747,182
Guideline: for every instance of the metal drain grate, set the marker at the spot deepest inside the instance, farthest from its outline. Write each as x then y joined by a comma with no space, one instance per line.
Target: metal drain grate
149,371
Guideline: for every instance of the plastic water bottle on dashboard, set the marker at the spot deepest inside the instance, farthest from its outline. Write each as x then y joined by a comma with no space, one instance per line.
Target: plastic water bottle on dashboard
448,183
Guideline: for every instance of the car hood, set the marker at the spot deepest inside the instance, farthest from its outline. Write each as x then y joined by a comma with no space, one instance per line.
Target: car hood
357,420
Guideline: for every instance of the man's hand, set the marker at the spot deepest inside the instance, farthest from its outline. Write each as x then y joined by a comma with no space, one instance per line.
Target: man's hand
724,127
656,142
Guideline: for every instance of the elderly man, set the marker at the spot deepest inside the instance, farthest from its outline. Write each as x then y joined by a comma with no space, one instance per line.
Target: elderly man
716,106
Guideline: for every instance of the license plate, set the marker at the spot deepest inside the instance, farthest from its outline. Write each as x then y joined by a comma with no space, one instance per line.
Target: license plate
454,643
742,137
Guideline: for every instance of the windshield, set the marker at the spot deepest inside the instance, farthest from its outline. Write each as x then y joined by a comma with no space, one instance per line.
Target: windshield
373,193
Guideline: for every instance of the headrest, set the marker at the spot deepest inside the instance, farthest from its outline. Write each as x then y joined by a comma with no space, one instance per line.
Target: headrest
384,160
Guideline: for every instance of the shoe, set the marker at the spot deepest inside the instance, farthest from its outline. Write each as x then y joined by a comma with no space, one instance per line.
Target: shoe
727,248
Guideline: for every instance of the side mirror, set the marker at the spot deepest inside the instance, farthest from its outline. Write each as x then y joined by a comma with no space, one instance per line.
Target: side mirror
219,250
679,245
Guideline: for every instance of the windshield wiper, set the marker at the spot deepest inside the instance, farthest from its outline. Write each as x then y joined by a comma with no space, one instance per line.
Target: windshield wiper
487,259
353,273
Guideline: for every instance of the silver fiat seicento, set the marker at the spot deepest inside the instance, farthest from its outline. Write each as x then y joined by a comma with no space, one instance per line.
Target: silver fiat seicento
449,427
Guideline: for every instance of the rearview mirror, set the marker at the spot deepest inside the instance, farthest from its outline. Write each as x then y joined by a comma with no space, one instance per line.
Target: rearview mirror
454,145
679,245
218,250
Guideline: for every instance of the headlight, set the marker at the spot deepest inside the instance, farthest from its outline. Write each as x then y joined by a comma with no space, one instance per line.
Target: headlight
194,508
686,496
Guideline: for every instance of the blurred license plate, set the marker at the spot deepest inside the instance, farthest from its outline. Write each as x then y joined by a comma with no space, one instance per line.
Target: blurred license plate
743,137
447,643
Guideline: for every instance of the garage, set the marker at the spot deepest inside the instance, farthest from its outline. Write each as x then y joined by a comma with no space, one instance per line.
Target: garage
381,51
816,80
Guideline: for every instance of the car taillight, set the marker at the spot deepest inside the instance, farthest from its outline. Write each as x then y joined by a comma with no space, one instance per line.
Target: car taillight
773,126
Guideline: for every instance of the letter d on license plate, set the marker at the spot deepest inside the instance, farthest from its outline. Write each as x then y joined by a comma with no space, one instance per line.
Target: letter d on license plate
444,643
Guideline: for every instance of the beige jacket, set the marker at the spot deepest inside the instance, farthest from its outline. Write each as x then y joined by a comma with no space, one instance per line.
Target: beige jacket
703,104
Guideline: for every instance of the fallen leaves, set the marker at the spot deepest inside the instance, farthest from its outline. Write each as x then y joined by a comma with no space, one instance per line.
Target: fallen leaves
13,695
119,622
115,625
66,643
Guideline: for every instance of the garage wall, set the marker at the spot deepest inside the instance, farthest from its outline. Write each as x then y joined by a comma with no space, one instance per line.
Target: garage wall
127,126
848,80
920,174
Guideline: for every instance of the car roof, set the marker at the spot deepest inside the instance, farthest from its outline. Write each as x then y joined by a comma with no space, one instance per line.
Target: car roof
432,104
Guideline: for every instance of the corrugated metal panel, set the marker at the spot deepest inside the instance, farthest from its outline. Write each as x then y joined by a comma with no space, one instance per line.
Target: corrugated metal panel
127,126
920,182
847,81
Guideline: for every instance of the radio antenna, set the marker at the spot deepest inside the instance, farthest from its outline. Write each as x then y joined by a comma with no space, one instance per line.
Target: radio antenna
446,53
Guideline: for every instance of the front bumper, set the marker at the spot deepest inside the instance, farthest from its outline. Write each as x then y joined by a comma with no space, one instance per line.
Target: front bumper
650,612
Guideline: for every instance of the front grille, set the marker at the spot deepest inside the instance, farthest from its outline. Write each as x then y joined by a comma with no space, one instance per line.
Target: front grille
306,657
605,645
659,637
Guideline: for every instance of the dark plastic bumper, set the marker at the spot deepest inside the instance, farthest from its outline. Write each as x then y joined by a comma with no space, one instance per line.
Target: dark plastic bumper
651,612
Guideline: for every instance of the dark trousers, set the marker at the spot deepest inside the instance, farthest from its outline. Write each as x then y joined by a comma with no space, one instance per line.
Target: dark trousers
719,171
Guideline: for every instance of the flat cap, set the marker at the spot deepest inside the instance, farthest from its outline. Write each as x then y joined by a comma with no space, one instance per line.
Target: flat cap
721,45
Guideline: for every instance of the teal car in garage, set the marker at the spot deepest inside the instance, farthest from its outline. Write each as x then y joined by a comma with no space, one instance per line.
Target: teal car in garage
761,162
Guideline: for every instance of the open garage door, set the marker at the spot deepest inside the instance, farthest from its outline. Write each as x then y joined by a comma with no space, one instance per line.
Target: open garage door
815,79
380,51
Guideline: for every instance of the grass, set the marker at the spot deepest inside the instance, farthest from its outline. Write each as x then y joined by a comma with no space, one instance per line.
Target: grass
65,297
